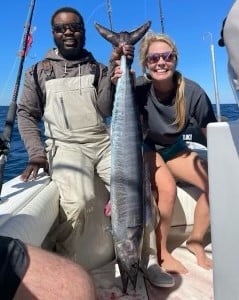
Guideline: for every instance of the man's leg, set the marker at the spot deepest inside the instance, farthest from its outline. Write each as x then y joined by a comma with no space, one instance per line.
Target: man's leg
73,172
52,277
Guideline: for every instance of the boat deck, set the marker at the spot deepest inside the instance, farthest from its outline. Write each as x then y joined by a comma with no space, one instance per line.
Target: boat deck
197,284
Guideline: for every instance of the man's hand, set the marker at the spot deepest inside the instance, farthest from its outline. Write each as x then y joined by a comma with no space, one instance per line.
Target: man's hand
122,49
31,171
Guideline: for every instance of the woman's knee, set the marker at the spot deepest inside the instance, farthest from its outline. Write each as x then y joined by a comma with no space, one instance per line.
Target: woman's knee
165,183
167,193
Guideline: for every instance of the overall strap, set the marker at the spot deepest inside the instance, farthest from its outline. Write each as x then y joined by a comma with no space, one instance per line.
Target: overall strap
47,68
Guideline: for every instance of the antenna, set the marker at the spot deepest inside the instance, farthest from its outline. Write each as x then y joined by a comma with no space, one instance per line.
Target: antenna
109,11
161,16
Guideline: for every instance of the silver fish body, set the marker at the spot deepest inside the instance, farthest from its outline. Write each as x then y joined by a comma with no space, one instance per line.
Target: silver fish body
126,178
126,191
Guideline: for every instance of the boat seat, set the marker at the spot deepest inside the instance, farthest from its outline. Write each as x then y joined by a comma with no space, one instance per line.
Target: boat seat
28,209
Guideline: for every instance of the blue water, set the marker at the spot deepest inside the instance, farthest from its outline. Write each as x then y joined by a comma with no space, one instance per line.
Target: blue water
17,157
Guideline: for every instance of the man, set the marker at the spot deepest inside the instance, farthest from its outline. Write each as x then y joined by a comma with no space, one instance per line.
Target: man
68,86
28,272
69,89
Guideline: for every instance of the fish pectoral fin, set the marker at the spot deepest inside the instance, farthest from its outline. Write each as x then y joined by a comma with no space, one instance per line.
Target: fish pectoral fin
134,232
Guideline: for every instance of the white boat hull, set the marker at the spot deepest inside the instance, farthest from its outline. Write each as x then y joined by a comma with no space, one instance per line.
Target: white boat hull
223,163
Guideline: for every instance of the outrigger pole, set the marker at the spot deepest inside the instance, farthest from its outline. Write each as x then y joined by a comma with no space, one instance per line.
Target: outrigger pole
214,73
109,11
161,16
6,136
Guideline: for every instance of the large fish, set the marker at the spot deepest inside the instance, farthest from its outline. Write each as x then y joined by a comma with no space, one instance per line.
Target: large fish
126,192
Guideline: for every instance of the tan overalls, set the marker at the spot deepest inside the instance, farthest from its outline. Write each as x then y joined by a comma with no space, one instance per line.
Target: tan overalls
79,147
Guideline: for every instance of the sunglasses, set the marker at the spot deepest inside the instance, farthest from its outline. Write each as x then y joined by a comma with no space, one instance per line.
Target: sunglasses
62,28
153,58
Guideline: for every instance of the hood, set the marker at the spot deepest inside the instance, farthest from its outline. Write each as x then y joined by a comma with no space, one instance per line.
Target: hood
54,55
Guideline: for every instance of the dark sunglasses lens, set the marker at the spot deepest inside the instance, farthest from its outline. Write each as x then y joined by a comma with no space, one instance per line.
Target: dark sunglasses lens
58,28
75,27
168,56
153,58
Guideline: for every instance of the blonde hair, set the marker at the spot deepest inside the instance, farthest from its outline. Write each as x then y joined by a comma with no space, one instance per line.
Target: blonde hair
150,38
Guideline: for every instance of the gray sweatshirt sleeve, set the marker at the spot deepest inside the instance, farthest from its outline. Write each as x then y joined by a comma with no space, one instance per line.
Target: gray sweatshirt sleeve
29,116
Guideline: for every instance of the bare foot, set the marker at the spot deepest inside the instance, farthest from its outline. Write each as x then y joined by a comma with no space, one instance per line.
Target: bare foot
172,265
197,249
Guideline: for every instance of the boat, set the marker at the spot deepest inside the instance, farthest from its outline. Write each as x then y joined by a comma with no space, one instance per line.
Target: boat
29,211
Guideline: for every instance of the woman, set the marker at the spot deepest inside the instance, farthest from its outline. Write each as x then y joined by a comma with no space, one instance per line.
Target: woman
167,102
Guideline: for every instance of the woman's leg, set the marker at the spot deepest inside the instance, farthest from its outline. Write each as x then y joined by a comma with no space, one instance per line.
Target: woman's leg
166,196
189,167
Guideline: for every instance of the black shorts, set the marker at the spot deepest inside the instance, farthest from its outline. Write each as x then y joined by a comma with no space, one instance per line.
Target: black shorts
13,265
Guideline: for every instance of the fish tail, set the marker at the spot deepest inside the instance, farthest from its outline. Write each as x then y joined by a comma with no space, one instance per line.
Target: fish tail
124,36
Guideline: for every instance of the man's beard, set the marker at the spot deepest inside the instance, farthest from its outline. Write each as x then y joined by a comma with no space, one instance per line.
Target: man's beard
70,53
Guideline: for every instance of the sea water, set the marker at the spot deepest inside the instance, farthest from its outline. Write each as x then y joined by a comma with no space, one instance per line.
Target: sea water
17,157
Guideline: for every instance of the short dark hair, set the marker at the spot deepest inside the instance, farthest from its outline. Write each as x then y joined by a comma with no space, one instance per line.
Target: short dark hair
67,9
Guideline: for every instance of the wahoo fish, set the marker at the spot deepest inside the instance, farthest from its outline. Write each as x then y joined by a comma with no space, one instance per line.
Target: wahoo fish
127,188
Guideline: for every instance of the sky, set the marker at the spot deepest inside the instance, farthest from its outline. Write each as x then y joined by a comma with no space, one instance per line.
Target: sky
194,26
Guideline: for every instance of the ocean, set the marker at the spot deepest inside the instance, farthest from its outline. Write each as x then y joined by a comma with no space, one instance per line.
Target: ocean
17,157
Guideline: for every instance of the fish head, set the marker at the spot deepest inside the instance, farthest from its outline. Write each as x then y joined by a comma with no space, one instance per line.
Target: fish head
128,257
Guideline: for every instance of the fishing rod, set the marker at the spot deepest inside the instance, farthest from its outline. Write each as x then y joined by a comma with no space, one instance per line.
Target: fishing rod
6,136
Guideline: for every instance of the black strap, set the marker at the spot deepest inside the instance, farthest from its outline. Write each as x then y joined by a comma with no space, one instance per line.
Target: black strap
35,77
49,74
97,74
38,88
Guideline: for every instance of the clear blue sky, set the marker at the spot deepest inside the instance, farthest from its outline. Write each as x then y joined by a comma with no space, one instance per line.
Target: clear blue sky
187,22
